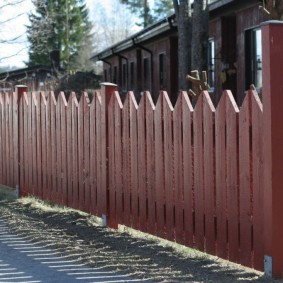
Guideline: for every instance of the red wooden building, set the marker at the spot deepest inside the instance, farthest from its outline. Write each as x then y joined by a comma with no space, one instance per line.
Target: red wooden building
148,60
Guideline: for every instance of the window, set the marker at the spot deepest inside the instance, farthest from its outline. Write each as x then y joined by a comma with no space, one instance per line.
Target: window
124,76
254,59
146,73
162,71
132,75
211,62
115,74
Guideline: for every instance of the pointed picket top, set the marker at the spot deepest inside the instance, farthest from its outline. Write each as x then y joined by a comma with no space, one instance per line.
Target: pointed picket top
133,99
62,99
84,100
148,98
231,100
207,100
166,100
1,98
255,99
51,98
117,99
34,98
25,98
42,98
73,99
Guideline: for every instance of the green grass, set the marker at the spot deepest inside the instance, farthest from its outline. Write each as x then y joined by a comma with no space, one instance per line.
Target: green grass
7,193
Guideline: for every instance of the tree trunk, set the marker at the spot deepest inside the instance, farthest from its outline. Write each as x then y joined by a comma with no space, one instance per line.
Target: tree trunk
200,35
183,13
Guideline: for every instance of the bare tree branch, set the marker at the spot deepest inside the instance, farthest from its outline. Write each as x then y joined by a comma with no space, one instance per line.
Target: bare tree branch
13,55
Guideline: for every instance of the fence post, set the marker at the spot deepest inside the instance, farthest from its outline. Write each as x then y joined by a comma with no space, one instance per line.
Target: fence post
107,90
19,91
272,44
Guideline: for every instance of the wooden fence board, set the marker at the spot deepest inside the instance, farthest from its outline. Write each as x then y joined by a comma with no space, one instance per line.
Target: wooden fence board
99,152
134,161
75,195
127,162
232,176
112,162
150,162
39,146
199,174
118,106
188,176
44,135
258,198
159,167
81,165
178,169
93,157
245,186
7,139
209,173
87,151
142,177
168,167
221,186
26,145
69,153
59,171
2,141
34,166
53,164
15,140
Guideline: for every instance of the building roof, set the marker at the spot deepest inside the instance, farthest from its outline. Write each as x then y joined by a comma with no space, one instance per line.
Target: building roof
142,36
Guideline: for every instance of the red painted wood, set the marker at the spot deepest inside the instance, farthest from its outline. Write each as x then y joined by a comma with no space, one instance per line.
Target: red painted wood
25,189
34,167
178,169
75,165
69,153
232,176
199,174
150,162
159,168
209,173
53,131
93,157
1,140
126,162
15,140
221,186
43,110
168,166
118,106
7,136
188,176
30,145
99,155
87,151
134,161
258,197
245,188
142,177
112,162
81,154
58,176
39,146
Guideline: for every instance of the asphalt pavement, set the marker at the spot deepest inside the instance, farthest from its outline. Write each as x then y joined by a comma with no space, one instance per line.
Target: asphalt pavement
23,261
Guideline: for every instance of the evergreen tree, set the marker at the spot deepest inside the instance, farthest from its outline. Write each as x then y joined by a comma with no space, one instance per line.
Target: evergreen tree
61,25
162,9
141,9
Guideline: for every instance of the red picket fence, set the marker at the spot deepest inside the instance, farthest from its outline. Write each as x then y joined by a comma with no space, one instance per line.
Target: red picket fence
188,175
204,177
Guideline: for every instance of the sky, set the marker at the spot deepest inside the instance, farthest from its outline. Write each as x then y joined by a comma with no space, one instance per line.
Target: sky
17,28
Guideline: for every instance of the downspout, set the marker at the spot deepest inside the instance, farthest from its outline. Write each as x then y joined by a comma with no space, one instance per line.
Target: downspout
108,63
127,66
151,59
